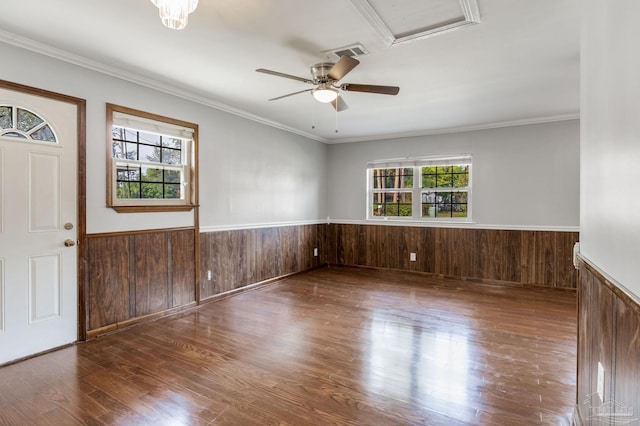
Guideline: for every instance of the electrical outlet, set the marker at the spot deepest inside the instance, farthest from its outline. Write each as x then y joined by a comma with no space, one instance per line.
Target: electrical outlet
315,252
412,257
600,384
208,275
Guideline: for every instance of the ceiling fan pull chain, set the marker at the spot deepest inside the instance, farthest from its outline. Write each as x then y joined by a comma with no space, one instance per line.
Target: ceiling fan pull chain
313,115
336,109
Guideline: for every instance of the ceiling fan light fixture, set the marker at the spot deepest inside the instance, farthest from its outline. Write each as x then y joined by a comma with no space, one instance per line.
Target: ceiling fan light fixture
175,13
325,94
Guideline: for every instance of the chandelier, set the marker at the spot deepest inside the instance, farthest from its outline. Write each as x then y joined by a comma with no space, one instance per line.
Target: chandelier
175,13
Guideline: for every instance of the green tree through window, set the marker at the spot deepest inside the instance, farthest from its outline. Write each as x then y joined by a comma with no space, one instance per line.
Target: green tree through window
423,188
147,181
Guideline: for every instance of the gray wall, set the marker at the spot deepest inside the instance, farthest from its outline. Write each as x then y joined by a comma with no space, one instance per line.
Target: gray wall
610,146
249,173
252,174
523,176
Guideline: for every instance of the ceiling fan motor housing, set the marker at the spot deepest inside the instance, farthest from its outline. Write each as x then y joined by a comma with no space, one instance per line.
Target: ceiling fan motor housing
320,72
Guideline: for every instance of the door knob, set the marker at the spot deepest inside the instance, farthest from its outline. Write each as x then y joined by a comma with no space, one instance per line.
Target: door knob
69,243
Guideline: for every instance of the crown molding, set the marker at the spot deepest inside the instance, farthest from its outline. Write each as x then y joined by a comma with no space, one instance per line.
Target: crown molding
486,126
65,56
81,61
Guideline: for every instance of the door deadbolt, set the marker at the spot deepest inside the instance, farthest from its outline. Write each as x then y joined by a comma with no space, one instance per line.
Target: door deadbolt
68,226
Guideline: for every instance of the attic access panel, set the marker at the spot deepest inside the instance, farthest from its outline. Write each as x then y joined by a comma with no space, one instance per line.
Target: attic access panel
402,21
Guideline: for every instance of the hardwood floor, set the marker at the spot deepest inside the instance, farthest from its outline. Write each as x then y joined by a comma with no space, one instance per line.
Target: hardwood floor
342,346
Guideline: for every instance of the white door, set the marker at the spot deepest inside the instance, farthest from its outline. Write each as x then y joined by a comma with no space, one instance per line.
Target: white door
38,212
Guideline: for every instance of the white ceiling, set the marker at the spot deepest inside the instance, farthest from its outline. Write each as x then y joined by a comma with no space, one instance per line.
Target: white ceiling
520,64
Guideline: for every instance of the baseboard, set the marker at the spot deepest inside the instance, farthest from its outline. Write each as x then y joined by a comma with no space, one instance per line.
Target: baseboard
24,358
255,286
484,281
118,326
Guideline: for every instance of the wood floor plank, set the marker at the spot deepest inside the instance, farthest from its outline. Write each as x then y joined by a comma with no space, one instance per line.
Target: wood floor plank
9,415
345,346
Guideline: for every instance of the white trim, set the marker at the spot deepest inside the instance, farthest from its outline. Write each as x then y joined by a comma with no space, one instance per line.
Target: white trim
390,222
461,129
435,160
371,16
155,126
469,9
237,227
53,52
631,295
454,224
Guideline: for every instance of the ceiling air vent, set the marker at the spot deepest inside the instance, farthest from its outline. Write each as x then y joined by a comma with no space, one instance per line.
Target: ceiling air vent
353,51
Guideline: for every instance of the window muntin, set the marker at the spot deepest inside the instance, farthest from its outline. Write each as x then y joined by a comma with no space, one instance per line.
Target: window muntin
453,176
20,123
138,181
142,146
393,178
444,204
392,195
437,198
150,162
429,189
390,192
395,203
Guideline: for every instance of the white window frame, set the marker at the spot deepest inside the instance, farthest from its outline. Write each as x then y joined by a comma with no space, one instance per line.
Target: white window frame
134,120
416,164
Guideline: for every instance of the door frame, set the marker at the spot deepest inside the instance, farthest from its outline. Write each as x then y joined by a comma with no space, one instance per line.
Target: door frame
81,107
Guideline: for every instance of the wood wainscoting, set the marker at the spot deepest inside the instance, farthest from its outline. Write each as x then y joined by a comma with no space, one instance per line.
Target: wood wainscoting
138,274
133,276
145,274
540,258
609,334
230,260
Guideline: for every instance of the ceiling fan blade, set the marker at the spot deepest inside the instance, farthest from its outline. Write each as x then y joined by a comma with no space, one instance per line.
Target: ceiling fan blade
370,88
339,104
281,74
342,67
290,94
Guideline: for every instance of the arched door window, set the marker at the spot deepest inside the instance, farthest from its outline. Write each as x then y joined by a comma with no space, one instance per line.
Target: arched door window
16,122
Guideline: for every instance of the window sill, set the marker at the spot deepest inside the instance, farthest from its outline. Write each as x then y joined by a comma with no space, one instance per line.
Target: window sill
153,209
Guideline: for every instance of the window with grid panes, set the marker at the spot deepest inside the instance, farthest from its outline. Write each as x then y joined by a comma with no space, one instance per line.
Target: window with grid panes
392,192
445,191
150,161
435,188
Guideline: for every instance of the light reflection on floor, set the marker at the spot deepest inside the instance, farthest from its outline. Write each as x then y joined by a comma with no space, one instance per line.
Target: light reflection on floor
417,364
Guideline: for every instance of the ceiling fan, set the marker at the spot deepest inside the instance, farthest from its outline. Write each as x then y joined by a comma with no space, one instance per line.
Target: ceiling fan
325,76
